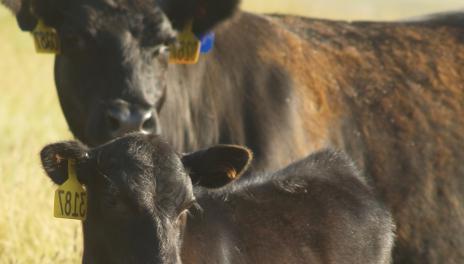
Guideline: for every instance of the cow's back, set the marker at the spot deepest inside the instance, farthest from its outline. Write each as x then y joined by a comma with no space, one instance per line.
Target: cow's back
389,94
392,95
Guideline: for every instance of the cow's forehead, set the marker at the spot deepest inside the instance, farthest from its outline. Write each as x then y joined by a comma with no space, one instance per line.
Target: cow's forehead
103,13
134,5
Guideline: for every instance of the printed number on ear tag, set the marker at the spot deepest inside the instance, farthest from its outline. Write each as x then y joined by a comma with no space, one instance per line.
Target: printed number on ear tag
46,39
187,50
71,197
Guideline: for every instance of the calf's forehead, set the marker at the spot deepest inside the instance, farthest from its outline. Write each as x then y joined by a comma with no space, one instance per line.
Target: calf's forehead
144,152
146,167
135,146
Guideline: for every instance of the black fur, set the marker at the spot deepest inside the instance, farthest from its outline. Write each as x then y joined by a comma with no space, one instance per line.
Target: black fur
317,210
388,93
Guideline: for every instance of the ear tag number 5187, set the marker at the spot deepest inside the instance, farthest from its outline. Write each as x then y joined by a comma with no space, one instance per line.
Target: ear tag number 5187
71,197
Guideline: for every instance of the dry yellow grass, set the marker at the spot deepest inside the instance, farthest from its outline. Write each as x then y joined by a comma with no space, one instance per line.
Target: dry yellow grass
354,9
30,118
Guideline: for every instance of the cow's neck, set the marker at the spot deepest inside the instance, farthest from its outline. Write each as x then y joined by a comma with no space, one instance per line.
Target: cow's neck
239,93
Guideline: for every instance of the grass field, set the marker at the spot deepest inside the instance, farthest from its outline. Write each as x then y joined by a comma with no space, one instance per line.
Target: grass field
30,117
355,9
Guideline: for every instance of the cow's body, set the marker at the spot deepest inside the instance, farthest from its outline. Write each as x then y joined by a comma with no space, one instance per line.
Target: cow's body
317,210
390,94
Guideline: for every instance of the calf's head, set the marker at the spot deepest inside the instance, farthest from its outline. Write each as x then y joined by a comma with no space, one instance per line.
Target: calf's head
139,191
111,72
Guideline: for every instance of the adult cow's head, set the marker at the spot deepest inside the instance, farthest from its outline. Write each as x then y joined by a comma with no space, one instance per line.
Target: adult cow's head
111,72
139,191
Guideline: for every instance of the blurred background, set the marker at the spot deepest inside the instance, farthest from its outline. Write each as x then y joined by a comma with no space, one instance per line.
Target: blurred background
354,9
30,117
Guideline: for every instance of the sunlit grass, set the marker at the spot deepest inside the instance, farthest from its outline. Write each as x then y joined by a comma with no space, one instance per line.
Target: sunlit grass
30,118
355,9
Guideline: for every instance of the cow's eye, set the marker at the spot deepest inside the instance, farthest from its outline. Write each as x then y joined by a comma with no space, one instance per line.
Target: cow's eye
171,40
163,48
160,50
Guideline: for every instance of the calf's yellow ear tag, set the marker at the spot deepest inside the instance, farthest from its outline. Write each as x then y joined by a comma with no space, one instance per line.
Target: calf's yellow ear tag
71,197
46,39
187,49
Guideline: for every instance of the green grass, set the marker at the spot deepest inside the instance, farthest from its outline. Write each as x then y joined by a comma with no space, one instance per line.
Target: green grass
30,117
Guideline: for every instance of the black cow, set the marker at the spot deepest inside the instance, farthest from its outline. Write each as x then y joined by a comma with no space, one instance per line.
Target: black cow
148,204
389,94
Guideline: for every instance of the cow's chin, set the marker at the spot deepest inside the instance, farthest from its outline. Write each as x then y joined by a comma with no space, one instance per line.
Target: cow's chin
97,135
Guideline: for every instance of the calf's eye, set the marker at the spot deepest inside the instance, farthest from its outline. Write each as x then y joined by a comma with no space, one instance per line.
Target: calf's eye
182,218
185,207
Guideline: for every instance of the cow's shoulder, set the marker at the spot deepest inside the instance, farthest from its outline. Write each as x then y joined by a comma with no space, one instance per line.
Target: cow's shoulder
343,33
452,18
311,29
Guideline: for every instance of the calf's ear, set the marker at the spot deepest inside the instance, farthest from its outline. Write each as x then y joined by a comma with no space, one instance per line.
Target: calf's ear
205,14
55,158
217,166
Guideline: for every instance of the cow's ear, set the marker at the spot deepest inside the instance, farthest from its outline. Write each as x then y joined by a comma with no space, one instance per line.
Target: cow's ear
205,14
217,166
22,9
55,158
28,12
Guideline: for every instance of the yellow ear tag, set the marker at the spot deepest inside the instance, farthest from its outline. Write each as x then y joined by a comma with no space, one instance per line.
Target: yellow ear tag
46,39
71,197
187,50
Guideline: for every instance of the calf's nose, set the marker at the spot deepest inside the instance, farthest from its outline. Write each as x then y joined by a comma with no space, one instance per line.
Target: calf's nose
122,118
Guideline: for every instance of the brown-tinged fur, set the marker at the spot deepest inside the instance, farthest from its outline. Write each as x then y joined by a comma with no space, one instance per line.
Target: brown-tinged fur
392,95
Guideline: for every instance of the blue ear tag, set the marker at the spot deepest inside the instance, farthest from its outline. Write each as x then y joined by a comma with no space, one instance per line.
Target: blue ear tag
207,42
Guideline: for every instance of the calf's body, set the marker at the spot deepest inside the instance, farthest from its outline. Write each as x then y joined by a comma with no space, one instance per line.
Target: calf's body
315,211
149,205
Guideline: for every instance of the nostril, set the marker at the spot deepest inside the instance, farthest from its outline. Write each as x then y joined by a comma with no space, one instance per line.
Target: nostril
113,123
120,119
123,117
149,125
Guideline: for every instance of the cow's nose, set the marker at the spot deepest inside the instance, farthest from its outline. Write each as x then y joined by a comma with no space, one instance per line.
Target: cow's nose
124,118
